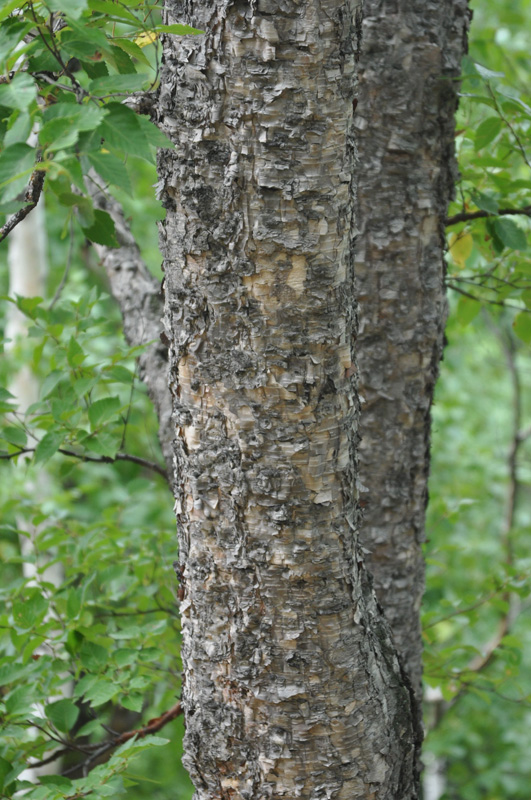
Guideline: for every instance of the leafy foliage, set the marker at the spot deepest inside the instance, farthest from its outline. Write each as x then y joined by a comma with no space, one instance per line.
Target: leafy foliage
67,68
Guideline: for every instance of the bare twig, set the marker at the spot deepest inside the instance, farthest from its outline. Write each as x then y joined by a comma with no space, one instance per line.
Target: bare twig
143,462
469,216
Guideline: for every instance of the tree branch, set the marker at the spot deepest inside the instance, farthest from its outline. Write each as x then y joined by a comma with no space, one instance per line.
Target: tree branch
143,462
468,216
31,196
153,726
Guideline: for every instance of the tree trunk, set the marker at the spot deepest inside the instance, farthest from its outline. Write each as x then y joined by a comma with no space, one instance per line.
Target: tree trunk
292,685
409,61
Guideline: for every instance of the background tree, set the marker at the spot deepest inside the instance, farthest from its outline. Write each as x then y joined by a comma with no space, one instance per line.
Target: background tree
109,544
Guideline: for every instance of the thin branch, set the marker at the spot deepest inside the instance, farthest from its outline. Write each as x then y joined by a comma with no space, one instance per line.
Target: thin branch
31,196
484,300
143,462
468,216
153,726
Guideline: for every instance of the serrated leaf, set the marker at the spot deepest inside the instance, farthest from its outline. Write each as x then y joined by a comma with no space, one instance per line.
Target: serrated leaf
103,444
510,234
29,610
101,693
102,231
154,135
48,445
19,93
111,169
63,714
19,700
132,701
112,84
486,132
93,656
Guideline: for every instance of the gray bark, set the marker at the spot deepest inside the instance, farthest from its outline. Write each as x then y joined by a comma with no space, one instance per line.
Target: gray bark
292,685
410,58
139,297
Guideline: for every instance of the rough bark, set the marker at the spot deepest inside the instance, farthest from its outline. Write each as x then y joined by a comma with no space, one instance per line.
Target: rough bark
139,297
292,685
409,60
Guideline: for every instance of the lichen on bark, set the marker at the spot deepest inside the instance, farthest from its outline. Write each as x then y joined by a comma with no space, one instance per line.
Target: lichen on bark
292,685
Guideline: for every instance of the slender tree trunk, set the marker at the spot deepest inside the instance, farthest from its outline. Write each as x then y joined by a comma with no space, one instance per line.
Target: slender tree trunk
292,685
410,58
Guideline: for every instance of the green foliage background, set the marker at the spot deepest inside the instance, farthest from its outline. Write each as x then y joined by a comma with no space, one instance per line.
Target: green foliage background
109,632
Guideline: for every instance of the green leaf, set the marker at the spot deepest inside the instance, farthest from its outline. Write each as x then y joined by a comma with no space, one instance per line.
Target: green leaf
467,310
20,129
522,326
5,769
123,84
124,657
102,410
132,50
63,714
154,135
19,701
93,656
15,436
103,444
50,382
75,353
73,603
102,231
48,445
132,701
485,202
510,234
16,165
112,9
72,8
486,132
111,169
122,130
101,693
29,610
19,93
486,73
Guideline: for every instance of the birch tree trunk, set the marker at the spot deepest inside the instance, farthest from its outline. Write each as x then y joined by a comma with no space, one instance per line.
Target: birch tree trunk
292,684
410,60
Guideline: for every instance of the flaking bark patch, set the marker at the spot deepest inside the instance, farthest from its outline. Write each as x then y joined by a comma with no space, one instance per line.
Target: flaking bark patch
292,686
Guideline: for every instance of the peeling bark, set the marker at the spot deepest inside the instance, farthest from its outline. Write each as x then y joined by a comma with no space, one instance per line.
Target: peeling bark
409,60
139,297
292,684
